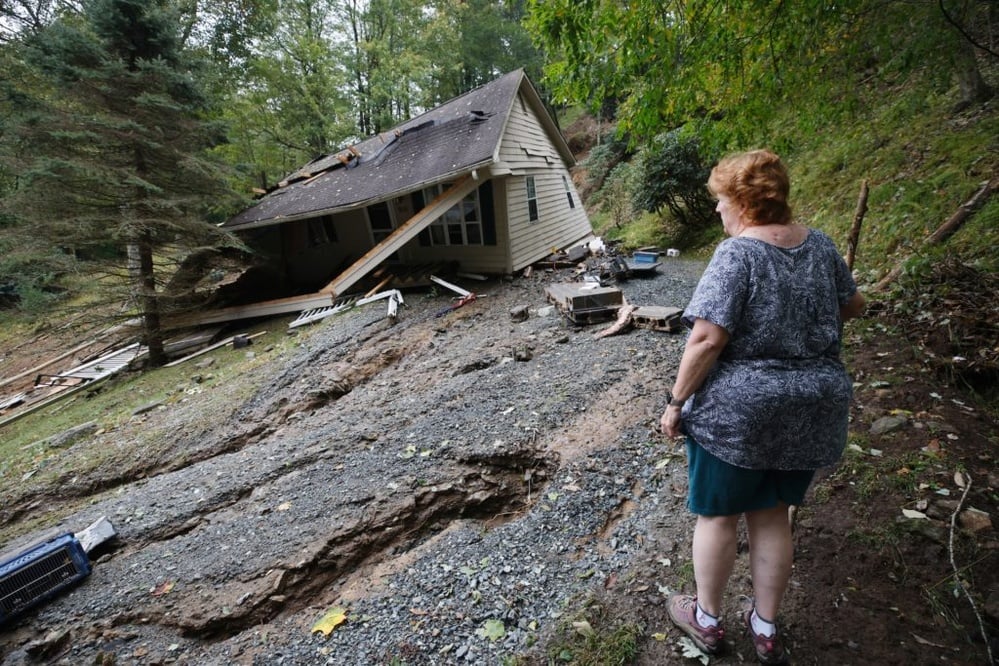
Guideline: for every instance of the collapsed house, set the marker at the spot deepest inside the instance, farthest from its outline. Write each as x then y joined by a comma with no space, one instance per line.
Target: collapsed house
480,183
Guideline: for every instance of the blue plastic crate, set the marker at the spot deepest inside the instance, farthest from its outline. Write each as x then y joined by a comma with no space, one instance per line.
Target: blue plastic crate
39,573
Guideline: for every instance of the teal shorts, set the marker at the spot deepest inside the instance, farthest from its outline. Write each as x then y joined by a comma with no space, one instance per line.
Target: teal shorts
716,488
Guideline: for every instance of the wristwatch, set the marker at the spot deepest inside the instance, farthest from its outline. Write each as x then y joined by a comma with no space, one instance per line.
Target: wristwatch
674,402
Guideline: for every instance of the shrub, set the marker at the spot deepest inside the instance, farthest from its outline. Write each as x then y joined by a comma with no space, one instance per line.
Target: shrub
674,176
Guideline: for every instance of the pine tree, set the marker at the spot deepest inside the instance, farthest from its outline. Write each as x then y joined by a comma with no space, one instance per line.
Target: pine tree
111,146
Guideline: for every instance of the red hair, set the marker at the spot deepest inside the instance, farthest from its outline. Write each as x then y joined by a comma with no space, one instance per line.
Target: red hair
757,182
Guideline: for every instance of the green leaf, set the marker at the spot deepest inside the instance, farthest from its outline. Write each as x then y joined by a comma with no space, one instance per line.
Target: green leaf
492,629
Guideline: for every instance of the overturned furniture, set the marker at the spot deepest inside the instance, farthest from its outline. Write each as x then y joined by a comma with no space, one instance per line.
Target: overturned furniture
585,302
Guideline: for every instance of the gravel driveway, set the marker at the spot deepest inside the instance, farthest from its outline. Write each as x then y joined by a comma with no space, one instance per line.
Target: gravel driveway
453,483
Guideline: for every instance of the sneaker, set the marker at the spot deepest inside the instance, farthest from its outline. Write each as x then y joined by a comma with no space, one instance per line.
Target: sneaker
769,649
683,612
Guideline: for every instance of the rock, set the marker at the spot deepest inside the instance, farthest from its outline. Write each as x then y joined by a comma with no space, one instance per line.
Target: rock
519,313
51,644
68,437
887,424
146,408
974,520
546,311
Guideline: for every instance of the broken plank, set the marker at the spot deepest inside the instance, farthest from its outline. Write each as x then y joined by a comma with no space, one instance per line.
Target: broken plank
464,293
34,370
211,348
622,322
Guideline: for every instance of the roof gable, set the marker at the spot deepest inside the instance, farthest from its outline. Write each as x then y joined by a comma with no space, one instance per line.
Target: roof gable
449,140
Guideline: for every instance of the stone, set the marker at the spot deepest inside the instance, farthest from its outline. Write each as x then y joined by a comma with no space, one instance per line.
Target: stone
519,313
887,424
974,520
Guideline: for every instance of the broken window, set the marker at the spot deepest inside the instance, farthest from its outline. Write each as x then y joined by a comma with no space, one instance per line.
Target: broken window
532,200
380,222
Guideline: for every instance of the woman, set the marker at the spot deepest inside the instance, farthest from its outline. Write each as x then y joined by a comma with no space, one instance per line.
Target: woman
761,393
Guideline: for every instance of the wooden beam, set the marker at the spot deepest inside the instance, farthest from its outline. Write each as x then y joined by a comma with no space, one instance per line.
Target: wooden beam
263,309
402,235
945,230
453,287
858,218
218,344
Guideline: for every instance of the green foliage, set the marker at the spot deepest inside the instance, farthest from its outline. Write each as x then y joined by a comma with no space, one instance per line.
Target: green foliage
613,200
673,176
108,140
732,68
593,636
603,158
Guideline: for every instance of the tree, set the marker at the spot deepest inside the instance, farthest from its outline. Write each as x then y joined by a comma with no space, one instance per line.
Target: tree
488,40
703,61
320,73
109,146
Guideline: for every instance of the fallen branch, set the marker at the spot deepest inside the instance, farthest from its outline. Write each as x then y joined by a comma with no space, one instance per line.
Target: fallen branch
953,565
945,230
858,218
221,343
623,321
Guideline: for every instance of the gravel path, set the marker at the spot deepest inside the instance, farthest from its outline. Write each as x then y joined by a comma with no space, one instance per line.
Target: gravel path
454,483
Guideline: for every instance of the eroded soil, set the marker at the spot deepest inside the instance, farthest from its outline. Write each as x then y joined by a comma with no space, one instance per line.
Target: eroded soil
439,474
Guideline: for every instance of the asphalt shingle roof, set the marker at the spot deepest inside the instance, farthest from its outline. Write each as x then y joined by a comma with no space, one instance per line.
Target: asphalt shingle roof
453,138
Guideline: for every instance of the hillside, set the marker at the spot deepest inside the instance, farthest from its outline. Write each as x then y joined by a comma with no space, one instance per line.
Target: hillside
471,489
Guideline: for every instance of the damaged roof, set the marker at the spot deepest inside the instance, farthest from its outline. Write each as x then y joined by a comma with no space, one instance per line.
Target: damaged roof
454,138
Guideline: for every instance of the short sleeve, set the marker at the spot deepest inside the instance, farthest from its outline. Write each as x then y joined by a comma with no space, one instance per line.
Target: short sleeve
721,294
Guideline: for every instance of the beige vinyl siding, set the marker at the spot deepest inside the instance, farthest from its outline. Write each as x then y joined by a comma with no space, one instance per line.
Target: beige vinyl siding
558,226
527,151
525,145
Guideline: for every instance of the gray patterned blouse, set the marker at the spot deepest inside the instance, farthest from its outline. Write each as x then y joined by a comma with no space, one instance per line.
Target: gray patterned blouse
778,396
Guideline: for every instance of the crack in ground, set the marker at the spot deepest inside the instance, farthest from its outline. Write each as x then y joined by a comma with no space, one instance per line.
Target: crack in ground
383,530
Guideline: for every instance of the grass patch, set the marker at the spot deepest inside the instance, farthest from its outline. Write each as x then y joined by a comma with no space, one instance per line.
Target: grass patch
594,636
219,390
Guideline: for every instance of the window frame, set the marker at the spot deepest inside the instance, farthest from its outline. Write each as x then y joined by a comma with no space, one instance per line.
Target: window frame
461,225
533,210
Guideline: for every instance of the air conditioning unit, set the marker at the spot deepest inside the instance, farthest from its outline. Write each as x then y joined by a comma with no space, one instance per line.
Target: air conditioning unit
39,573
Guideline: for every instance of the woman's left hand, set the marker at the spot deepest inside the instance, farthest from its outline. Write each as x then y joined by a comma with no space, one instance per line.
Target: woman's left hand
669,422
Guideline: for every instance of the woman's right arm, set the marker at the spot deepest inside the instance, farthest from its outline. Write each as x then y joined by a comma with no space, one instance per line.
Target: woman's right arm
704,346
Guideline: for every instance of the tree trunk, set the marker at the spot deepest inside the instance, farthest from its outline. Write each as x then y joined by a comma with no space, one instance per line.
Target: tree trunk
858,219
974,89
149,303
